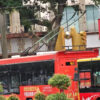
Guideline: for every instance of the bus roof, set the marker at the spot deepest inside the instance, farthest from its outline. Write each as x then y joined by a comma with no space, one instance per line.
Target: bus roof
88,59
24,59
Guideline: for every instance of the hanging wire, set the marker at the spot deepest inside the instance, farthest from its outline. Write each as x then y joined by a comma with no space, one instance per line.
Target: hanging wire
54,34
68,25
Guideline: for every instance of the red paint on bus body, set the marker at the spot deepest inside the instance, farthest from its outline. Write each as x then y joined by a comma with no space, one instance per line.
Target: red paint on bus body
61,67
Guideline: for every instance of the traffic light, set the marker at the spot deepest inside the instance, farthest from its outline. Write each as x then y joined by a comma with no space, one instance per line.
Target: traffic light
60,43
83,39
76,40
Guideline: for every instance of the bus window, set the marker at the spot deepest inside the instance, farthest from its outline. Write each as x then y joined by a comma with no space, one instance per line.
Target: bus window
89,73
15,82
85,79
31,73
97,78
36,73
96,73
4,78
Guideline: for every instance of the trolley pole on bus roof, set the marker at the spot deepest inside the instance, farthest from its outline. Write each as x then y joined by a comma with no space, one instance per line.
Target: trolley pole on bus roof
3,35
82,12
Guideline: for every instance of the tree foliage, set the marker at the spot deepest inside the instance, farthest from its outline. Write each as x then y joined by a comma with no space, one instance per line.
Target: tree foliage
1,88
27,16
10,3
2,98
40,96
13,98
60,81
58,96
5,5
97,2
56,6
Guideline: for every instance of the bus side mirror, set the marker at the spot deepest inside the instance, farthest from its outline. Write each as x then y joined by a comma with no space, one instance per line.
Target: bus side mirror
76,77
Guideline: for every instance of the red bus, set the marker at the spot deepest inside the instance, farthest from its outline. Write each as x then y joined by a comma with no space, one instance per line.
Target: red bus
89,78
25,76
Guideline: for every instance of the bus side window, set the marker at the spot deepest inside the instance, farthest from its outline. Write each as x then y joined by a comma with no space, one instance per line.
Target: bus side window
4,82
85,79
97,78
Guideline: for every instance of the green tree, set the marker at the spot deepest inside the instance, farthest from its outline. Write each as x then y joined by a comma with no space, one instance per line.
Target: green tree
5,5
56,6
57,96
40,96
1,88
13,98
2,98
60,81
97,2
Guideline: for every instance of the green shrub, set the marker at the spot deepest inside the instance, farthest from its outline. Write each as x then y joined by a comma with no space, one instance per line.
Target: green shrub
13,98
2,98
1,88
58,96
60,81
70,99
40,96
52,97
62,97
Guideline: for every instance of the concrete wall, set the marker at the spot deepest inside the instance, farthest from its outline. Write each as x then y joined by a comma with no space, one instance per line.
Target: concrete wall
18,45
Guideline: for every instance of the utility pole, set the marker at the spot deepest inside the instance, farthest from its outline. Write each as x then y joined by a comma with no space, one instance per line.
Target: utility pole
82,20
3,35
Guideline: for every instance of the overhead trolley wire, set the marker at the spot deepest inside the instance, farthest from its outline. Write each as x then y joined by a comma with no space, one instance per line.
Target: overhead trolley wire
54,31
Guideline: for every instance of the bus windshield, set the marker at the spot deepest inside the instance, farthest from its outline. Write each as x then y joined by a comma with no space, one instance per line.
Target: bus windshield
89,76
31,73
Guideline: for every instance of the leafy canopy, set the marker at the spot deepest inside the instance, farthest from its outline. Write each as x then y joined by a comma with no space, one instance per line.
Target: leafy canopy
10,3
2,98
40,96
60,81
57,96
13,98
